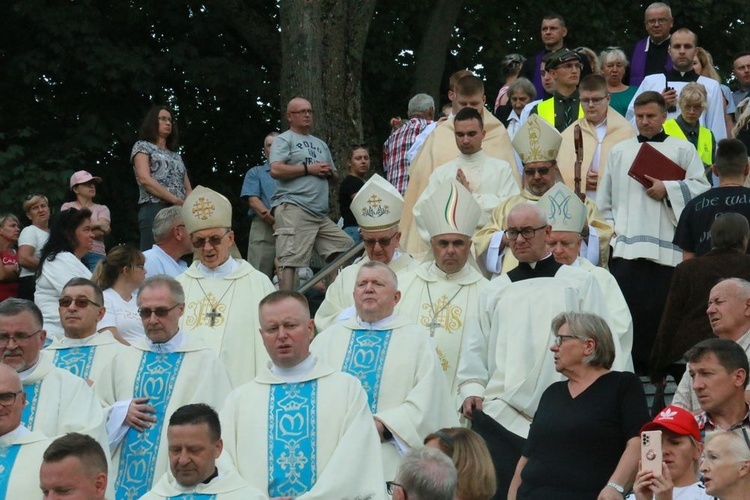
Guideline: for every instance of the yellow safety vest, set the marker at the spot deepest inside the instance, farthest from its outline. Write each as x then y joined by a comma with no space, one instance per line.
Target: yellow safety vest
705,141
546,109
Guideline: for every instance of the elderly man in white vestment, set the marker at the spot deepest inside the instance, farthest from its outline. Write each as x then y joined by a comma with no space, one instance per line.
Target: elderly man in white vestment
20,448
442,295
377,208
302,429
158,374
81,350
395,362
195,444
566,213
643,255
58,402
221,293
505,363
537,143
74,466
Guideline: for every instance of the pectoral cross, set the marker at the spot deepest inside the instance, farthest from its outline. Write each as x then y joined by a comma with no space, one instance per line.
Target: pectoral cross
433,324
213,315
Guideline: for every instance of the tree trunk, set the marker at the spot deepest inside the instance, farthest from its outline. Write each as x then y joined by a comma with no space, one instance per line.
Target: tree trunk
430,63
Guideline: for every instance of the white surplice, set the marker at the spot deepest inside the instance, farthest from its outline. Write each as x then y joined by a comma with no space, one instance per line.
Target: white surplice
228,485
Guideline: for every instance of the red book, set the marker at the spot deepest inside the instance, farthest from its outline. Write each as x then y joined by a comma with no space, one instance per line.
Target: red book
650,161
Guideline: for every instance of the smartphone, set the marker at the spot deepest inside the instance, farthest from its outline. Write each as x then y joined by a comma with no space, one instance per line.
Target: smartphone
651,455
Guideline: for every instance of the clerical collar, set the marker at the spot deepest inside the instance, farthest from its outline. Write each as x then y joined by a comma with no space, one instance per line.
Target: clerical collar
71,342
532,265
376,325
27,372
660,137
221,271
674,75
11,436
211,477
435,270
478,157
171,345
295,373
650,42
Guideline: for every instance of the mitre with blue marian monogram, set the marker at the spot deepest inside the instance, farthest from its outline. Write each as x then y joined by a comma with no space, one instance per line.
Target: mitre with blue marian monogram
564,210
377,206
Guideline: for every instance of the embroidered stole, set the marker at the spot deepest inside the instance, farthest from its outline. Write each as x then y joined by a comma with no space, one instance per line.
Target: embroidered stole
292,438
8,456
194,496
32,401
155,380
365,358
76,360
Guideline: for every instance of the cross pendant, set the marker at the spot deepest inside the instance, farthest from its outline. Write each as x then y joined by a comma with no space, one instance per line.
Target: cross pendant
213,315
433,325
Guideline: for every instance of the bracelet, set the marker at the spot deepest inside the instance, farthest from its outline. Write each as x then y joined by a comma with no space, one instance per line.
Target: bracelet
306,172
617,487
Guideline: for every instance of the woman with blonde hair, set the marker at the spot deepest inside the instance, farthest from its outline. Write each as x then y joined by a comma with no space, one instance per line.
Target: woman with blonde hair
693,101
476,473
30,242
119,275
703,64
726,464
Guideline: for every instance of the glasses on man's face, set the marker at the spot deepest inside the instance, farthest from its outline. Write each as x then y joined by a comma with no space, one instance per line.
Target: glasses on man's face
593,101
660,21
531,172
214,241
390,487
383,242
527,232
160,312
80,302
559,339
18,338
302,112
8,398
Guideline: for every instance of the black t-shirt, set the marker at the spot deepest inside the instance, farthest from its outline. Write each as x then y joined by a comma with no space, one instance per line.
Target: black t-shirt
349,186
693,233
575,444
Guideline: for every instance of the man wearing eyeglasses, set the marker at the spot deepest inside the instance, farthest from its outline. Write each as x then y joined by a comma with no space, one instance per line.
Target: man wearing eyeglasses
149,381
377,208
601,128
651,54
303,168
21,449
537,143
221,292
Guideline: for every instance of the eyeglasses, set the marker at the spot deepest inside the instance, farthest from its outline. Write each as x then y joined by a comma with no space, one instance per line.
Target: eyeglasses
8,398
390,485
593,101
80,302
166,119
383,242
527,232
654,22
160,312
18,338
214,241
531,172
559,339
302,112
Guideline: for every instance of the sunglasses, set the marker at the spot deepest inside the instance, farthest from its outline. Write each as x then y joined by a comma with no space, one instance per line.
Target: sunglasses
81,302
531,172
214,241
160,312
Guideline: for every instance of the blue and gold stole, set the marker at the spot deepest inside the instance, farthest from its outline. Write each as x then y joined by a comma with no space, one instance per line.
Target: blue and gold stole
8,456
32,401
193,496
155,380
76,360
292,438
365,358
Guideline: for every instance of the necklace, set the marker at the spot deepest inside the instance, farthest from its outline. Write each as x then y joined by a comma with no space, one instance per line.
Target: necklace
434,323
214,315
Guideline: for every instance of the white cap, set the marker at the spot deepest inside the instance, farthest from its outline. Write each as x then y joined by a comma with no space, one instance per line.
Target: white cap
206,209
564,210
450,209
377,206
537,140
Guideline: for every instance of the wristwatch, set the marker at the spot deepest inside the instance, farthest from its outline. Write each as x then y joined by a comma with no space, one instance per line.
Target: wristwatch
617,487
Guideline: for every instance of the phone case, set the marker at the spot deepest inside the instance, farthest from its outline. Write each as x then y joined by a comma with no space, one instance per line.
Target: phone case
651,455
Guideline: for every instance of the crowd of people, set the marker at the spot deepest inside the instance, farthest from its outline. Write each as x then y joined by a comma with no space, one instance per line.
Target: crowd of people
521,269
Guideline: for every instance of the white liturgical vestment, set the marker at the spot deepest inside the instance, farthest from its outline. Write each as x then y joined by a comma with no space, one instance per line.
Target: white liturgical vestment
20,458
228,485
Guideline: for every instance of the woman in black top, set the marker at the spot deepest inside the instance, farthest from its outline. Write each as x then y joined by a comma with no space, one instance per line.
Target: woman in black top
358,164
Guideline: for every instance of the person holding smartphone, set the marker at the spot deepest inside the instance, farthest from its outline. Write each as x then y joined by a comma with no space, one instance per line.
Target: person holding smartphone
681,452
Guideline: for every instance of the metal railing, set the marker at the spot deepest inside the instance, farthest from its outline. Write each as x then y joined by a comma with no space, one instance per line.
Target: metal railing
329,268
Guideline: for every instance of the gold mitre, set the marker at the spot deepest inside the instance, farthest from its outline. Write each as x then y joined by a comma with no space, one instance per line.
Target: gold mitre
451,209
537,140
564,210
377,206
206,209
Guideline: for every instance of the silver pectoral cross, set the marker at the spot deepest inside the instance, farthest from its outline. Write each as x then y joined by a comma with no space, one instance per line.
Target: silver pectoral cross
433,325
213,315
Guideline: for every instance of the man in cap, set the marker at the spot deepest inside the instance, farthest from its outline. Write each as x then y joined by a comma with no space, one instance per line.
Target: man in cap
301,428
537,143
506,364
151,380
395,362
564,107
221,292
644,219
442,294
377,208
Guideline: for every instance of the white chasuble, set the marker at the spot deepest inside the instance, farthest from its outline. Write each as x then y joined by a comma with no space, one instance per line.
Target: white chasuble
191,374
228,485
223,312
442,312
312,439
20,460
398,369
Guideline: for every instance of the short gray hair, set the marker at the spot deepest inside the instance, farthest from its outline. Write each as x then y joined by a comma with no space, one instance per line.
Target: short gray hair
584,326
660,5
530,207
13,307
738,447
375,264
427,474
164,221
524,86
174,286
612,54
421,103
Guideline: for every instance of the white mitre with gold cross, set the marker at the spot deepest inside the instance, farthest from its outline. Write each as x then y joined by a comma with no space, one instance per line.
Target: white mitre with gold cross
204,208
537,140
451,209
377,206
564,210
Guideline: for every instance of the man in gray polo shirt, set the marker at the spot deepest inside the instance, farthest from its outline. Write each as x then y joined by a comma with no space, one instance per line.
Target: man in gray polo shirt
303,167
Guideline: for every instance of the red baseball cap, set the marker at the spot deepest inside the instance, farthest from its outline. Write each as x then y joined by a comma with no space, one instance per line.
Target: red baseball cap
675,419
